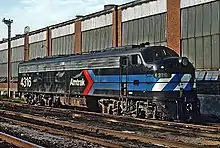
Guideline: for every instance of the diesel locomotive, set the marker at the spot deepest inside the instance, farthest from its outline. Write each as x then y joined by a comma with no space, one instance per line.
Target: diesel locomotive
136,80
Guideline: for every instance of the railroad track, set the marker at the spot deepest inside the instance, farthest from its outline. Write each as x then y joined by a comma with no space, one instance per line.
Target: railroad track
16,142
63,133
55,126
209,136
50,111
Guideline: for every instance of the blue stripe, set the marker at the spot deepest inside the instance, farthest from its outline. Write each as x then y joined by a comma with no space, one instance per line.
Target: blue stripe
92,75
116,78
188,87
146,82
140,87
130,78
173,83
116,86
104,86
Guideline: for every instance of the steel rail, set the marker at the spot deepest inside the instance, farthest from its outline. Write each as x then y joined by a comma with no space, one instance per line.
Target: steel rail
146,121
17,141
97,130
98,141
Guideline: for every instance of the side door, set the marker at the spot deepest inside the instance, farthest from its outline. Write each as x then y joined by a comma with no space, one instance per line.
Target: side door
136,76
123,76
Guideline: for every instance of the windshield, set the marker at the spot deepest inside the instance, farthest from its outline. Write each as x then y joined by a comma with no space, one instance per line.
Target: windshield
151,54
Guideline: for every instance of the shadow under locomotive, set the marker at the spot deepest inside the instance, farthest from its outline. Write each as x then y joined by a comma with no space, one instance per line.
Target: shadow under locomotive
148,82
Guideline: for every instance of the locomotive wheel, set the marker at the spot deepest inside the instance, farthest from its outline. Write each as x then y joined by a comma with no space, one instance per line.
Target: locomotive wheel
142,114
92,104
110,110
50,102
42,103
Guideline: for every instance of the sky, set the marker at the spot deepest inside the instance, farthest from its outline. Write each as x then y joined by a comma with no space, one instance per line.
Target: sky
41,13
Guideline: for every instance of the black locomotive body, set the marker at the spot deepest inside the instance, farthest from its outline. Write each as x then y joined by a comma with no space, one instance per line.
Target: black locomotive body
148,82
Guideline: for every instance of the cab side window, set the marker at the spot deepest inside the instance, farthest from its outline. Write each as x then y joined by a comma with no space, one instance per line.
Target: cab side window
148,55
124,60
135,59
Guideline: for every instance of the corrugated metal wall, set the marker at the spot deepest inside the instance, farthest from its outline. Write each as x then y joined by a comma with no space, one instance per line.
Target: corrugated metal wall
17,55
149,29
3,71
3,60
63,40
96,39
4,56
36,41
63,45
200,34
97,33
145,22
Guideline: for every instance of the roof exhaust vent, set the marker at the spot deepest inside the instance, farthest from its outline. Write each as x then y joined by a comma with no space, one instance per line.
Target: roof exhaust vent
4,39
79,16
18,35
109,6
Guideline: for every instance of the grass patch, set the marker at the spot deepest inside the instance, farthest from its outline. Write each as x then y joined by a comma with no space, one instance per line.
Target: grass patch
18,100
3,107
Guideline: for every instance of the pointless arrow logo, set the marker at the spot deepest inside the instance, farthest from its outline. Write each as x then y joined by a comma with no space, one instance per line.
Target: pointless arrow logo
89,80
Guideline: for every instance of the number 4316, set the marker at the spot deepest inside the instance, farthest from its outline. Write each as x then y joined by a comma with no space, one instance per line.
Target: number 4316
25,82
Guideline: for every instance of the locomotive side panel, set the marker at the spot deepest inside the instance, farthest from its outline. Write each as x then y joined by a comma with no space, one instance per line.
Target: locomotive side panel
149,83
72,82
43,82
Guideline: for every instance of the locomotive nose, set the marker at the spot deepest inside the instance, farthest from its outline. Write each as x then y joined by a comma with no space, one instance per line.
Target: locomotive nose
174,64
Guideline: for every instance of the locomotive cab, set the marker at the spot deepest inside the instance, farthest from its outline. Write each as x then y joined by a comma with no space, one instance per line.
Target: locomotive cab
173,82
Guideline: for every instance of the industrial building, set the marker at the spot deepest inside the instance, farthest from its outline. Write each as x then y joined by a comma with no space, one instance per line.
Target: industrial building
190,27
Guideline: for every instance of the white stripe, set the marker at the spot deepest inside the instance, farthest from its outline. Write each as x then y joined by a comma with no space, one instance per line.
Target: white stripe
63,30
144,10
37,37
184,81
215,75
189,3
161,83
62,69
3,46
17,42
97,22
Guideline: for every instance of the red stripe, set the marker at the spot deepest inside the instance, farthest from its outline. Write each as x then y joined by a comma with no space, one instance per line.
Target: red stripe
89,80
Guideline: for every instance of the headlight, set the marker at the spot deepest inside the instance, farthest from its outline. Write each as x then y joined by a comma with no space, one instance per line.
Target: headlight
184,61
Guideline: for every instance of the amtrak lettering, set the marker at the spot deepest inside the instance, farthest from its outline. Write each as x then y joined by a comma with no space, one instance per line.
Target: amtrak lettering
77,82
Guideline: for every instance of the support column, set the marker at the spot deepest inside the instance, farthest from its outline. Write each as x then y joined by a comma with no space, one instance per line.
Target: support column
173,25
116,27
26,47
119,27
78,37
48,42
